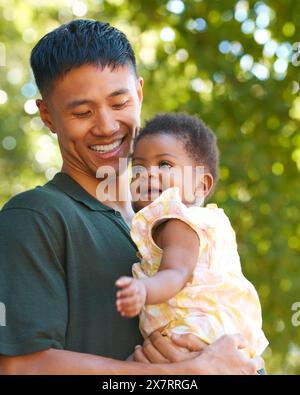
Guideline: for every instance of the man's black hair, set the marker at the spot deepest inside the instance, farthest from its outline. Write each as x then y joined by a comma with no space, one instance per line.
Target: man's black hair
199,141
77,43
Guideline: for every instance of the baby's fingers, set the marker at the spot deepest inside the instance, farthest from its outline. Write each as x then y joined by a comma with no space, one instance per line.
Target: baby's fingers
124,282
127,292
129,312
129,307
127,303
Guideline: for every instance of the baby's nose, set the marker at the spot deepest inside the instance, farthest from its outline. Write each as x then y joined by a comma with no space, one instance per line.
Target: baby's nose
154,171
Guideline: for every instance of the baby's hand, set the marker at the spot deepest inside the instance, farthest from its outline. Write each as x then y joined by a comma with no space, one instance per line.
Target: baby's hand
132,297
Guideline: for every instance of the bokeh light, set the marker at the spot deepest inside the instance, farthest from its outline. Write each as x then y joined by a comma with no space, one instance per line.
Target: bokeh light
241,10
79,8
30,107
9,143
175,6
3,97
260,71
167,34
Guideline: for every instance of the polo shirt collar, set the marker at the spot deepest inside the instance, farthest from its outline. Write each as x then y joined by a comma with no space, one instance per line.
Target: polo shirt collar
68,185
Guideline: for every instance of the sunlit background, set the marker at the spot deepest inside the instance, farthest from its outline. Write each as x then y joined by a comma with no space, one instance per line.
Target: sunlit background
236,64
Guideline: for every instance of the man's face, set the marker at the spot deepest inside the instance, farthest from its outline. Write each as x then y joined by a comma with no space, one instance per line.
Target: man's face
95,113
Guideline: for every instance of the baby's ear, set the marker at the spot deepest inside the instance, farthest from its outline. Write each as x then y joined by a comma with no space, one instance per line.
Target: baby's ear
203,188
208,183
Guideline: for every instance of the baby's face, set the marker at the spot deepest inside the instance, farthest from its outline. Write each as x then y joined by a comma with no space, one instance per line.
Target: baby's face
160,162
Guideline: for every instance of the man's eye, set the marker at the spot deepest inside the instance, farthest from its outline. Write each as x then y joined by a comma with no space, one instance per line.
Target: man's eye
165,165
120,105
82,114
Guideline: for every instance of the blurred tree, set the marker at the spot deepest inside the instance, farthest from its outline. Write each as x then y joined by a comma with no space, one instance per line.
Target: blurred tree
232,62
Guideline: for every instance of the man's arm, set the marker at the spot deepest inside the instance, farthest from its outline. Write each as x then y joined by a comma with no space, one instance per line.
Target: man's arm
222,357
61,362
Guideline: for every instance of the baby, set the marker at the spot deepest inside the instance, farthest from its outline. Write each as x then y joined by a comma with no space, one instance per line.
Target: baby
189,279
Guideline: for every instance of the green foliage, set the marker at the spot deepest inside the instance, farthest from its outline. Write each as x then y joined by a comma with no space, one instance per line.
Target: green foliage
198,66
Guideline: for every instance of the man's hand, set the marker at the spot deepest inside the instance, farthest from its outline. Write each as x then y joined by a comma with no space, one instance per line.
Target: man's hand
224,356
132,296
160,349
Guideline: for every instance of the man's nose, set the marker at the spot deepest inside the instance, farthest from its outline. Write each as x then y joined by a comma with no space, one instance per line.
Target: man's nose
105,123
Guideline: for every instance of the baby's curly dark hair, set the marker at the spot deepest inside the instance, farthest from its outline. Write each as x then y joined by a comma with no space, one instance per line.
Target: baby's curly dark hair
199,141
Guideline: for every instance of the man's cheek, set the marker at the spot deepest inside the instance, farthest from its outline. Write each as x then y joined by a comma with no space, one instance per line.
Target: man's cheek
131,116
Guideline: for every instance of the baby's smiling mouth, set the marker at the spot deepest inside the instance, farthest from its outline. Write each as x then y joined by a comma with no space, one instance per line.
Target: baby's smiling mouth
154,190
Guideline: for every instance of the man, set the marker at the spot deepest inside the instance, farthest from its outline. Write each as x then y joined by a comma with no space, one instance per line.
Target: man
63,245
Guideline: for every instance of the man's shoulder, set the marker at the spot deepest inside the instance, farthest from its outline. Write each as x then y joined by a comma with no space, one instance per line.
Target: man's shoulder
41,199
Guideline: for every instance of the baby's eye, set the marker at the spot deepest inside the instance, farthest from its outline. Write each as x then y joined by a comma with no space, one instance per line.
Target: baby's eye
165,165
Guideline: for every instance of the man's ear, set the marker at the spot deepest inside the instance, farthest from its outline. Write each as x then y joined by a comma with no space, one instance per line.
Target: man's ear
134,135
44,114
139,87
136,132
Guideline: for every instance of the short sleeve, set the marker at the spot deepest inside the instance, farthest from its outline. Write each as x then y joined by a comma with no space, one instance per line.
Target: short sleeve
32,284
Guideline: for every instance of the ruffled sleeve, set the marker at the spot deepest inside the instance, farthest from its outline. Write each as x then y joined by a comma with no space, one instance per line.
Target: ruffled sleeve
167,206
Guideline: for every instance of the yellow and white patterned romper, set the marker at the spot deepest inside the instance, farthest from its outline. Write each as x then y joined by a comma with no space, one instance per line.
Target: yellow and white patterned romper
219,299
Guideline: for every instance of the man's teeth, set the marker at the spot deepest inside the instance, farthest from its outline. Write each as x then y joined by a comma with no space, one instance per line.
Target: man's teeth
107,147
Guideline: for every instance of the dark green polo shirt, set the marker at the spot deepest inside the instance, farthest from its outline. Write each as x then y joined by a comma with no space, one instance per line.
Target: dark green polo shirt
61,251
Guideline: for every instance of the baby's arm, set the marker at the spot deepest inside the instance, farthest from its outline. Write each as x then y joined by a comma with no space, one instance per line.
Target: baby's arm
180,245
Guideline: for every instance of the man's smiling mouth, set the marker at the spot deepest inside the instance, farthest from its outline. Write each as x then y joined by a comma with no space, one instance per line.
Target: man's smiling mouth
107,147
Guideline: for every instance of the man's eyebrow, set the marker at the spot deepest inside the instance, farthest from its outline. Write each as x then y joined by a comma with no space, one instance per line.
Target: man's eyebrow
78,102
118,92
